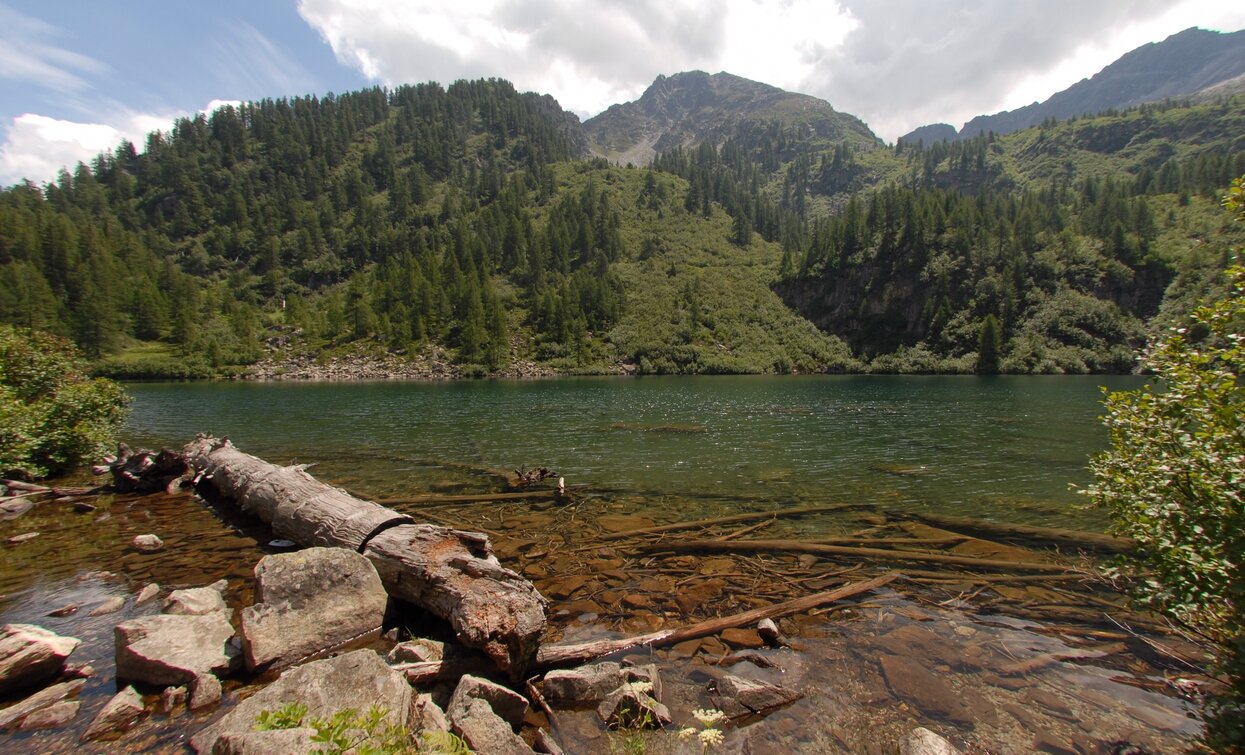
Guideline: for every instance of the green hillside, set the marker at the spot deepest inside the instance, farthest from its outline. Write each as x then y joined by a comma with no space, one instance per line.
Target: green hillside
467,227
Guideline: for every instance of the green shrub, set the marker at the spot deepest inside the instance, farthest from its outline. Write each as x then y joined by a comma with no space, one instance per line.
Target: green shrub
370,733
52,415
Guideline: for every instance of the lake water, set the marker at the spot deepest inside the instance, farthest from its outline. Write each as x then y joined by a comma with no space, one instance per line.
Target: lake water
996,447
1026,665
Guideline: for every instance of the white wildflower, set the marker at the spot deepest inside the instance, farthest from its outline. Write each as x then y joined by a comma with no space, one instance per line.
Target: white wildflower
687,733
711,738
642,688
708,717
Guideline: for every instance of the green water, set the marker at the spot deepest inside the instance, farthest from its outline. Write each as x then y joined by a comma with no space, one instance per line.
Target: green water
999,447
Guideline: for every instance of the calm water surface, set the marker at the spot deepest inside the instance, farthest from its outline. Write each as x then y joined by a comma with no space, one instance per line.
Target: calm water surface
1000,447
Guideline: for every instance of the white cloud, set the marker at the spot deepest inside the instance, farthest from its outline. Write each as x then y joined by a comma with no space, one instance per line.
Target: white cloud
28,54
37,147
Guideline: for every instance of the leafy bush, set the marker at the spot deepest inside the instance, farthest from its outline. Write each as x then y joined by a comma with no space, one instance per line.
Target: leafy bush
370,733
52,415
1174,481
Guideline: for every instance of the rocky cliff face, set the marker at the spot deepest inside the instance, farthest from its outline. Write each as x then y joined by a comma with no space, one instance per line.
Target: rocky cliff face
692,107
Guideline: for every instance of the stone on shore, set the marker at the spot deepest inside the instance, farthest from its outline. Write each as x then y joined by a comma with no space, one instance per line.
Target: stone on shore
111,605
484,731
146,543
426,715
38,701
586,685
507,703
56,714
171,698
205,692
418,650
31,655
121,712
274,742
308,602
197,601
630,708
359,680
167,649
149,592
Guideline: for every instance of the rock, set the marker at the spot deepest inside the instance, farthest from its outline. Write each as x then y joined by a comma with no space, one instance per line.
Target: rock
358,680
770,634
22,538
173,649
418,650
171,698
310,601
749,656
629,708
426,715
149,592
922,741
67,610
274,742
643,673
586,685
1047,742
753,694
118,715
484,731
38,701
507,703
916,685
204,692
14,507
74,671
196,601
31,655
742,638
146,543
56,714
546,743
111,605
82,507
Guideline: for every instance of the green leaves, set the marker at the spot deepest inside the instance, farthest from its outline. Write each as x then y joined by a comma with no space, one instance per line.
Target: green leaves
52,416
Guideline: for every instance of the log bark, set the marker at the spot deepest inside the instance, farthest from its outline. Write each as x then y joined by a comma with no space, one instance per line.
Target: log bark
881,554
451,573
551,656
1092,540
774,514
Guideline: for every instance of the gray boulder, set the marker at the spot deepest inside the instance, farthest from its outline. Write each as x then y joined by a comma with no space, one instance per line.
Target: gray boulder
753,695
44,698
118,715
507,703
484,731
418,650
308,602
56,714
426,715
358,680
197,601
205,691
276,742
167,649
586,685
31,655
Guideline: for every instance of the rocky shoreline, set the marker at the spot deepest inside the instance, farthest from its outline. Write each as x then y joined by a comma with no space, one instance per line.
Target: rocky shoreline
434,364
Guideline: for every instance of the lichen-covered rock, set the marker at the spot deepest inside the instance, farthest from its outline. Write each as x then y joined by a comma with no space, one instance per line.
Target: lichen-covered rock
31,655
169,649
358,680
118,715
197,601
310,601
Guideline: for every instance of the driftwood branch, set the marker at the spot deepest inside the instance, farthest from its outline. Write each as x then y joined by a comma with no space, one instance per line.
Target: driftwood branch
564,655
774,514
1091,540
881,554
451,573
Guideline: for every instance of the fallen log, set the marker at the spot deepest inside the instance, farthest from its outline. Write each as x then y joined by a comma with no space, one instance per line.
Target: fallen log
451,573
882,554
1092,540
775,514
551,656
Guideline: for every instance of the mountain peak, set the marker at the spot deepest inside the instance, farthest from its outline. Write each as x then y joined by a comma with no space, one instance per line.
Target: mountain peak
690,107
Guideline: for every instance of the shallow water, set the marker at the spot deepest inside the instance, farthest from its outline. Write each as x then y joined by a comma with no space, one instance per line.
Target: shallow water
657,450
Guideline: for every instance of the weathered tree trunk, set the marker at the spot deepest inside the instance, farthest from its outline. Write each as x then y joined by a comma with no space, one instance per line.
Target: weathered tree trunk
451,573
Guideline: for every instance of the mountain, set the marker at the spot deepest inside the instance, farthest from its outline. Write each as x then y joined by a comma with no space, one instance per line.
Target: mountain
693,107
1182,65
934,132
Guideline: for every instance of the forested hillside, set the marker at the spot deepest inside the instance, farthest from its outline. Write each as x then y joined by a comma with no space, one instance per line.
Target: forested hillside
469,226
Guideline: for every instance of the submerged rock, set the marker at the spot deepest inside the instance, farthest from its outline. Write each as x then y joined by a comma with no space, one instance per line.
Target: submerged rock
31,655
111,605
356,680
149,591
146,543
922,741
173,648
121,712
308,602
752,694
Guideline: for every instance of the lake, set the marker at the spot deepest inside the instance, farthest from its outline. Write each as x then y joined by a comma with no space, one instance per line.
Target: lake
997,447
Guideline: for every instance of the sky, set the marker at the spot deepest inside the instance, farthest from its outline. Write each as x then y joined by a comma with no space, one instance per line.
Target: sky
76,77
